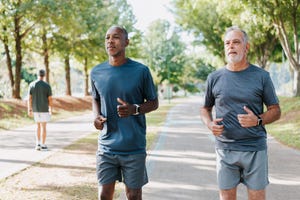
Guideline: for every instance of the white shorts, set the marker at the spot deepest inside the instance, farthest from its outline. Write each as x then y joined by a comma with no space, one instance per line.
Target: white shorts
41,116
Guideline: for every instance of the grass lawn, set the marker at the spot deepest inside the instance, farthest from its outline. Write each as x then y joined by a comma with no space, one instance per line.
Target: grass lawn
287,129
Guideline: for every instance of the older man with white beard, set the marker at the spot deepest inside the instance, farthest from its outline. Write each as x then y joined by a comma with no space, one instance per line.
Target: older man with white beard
238,92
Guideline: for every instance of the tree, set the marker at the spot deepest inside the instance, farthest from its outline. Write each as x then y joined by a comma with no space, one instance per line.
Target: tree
285,18
264,44
202,19
164,52
83,37
41,38
208,20
15,24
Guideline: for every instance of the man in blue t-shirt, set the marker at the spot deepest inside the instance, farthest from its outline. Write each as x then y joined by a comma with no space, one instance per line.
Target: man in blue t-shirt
123,91
238,92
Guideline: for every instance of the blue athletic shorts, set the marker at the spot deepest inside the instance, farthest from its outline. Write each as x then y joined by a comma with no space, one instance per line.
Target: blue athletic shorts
249,168
131,169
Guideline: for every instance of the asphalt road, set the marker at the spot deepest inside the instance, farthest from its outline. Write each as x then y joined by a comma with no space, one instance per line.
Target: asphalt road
182,164
17,146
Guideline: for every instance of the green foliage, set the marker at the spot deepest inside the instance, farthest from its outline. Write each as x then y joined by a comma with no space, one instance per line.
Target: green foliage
164,52
202,19
190,87
175,88
268,23
202,70
72,30
28,75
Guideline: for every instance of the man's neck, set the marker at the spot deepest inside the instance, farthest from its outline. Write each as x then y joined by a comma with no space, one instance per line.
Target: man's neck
117,61
237,66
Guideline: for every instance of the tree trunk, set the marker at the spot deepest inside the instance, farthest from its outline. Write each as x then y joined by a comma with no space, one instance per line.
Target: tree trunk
46,56
86,77
296,84
9,66
18,39
68,76
293,59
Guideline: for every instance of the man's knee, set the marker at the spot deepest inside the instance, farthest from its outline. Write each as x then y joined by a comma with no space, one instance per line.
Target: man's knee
106,192
134,194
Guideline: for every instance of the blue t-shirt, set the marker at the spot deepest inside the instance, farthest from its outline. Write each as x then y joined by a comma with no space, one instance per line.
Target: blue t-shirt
229,92
132,82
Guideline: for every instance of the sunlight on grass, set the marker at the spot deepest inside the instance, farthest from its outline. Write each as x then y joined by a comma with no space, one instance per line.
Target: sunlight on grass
288,133
6,106
287,129
17,121
90,140
11,123
289,104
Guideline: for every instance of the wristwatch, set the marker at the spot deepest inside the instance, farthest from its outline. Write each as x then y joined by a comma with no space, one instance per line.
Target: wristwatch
259,121
137,109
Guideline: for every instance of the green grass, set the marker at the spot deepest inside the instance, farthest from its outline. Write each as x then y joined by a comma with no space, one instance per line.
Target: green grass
156,119
287,129
17,121
6,106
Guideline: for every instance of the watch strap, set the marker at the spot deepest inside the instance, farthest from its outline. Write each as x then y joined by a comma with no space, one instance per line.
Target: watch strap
259,121
137,109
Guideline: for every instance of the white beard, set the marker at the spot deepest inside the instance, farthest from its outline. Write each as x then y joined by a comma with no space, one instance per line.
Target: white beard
232,59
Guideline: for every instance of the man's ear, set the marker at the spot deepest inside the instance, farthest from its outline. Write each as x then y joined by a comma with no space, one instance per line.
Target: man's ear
126,42
247,47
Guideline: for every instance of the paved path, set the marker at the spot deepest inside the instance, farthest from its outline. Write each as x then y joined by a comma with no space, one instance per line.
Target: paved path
182,165
17,146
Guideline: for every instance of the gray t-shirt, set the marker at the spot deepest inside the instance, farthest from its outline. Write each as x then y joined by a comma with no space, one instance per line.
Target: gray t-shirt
40,91
132,82
229,92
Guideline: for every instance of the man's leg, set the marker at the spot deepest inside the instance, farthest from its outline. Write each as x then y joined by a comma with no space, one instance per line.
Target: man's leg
106,192
38,133
228,194
256,194
44,132
133,194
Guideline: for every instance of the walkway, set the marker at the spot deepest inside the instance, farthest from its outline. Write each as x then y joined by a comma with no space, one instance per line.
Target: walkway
17,146
182,165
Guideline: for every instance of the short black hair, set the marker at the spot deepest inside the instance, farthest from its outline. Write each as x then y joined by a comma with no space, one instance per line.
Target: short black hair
122,29
42,72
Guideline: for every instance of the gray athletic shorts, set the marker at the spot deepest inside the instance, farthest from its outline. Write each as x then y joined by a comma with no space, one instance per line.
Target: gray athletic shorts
249,168
131,168
41,116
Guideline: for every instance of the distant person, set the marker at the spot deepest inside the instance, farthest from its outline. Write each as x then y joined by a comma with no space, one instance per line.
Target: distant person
238,93
39,106
123,91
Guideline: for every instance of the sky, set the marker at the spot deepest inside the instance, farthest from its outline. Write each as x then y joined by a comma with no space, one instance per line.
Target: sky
147,11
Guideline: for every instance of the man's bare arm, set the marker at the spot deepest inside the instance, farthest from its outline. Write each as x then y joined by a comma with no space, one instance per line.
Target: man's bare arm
212,124
99,119
149,106
272,114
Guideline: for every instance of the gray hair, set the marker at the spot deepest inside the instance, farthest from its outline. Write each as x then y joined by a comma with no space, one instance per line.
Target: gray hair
236,28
